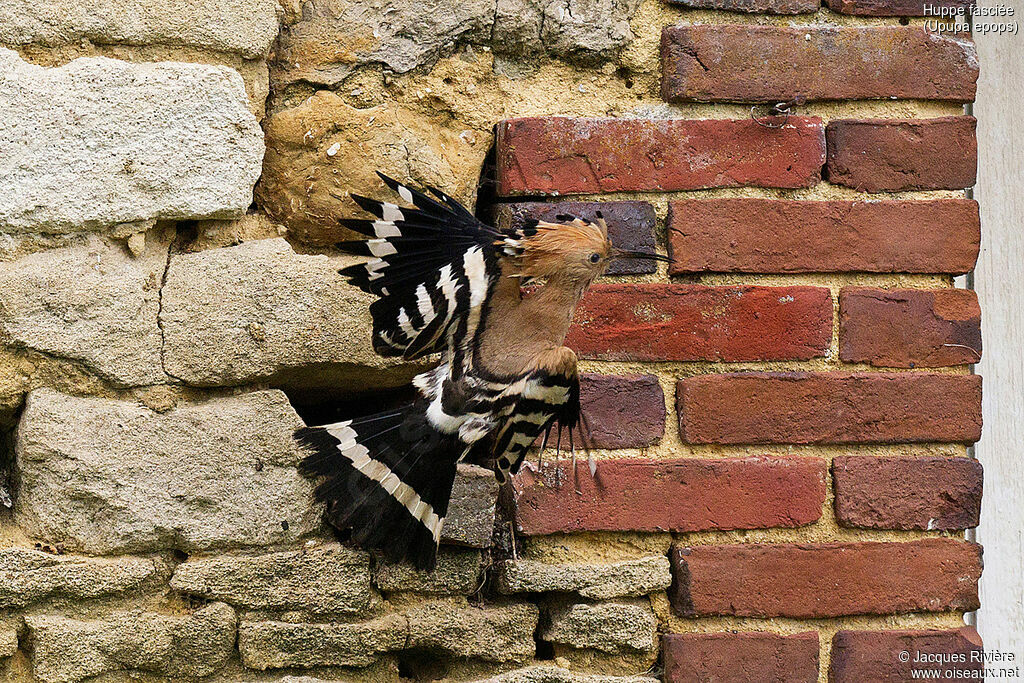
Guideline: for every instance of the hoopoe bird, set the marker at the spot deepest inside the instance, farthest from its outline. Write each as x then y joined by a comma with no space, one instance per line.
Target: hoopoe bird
449,284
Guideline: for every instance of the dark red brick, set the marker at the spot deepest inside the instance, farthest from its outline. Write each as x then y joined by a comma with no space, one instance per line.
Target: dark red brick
751,6
892,8
907,328
859,656
829,407
688,494
746,63
889,155
907,493
559,155
752,657
826,580
693,322
630,225
773,236
621,411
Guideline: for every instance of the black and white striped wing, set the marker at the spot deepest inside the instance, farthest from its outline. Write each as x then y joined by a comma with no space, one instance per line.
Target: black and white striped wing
433,267
544,398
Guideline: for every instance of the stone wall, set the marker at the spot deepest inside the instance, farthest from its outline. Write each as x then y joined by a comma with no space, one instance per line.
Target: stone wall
779,419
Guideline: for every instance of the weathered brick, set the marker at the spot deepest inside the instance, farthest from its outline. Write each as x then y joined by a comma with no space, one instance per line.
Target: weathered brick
891,8
457,571
621,411
28,575
323,579
750,6
810,407
654,322
628,578
630,225
735,63
108,476
751,657
687,494
875,655
98,142
907,493
611,627
559,155
907,328
177,646
888,155
826,580
750,235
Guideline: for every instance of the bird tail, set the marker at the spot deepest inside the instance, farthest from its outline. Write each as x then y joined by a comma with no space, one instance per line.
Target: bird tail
388,477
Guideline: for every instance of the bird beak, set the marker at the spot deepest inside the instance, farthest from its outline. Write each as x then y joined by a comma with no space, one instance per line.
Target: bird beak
642,255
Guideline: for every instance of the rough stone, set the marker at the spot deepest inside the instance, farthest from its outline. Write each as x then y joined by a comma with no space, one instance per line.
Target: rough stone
611,627
323,579
470,519
107,476
630,578
495,634
246,27
260,311
457,571
554,674
198,644
8,640
98,142
276,644
91,303
28,575
334,38
324,149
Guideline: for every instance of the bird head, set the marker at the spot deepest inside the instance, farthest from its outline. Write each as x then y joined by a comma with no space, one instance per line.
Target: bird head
573,249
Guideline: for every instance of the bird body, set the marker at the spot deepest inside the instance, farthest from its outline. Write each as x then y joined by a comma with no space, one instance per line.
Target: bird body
450,284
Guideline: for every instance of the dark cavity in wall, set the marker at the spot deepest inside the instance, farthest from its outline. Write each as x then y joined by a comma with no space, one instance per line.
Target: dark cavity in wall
317,408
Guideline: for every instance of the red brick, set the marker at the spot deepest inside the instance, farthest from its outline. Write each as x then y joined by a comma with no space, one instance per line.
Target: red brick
779,236
880,155
826,580
907,328
630,225
751,657
891,8
751,6
621,411
799,408
652,322
688,494
907,493
744,63
859,656
566,155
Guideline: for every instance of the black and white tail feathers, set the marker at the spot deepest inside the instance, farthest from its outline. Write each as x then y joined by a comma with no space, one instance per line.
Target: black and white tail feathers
432,265
388,477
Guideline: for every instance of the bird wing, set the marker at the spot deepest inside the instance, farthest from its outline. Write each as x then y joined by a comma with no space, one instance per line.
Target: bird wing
433,267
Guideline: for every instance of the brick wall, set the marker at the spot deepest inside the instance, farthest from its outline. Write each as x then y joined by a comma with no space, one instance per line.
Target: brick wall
780,418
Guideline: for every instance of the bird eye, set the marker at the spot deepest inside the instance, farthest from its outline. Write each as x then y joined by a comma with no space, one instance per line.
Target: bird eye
595,257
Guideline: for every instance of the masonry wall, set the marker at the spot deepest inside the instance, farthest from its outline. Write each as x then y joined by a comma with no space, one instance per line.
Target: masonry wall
780,419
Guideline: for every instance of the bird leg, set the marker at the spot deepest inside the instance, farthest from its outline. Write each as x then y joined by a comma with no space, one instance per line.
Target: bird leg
575,472
591,462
